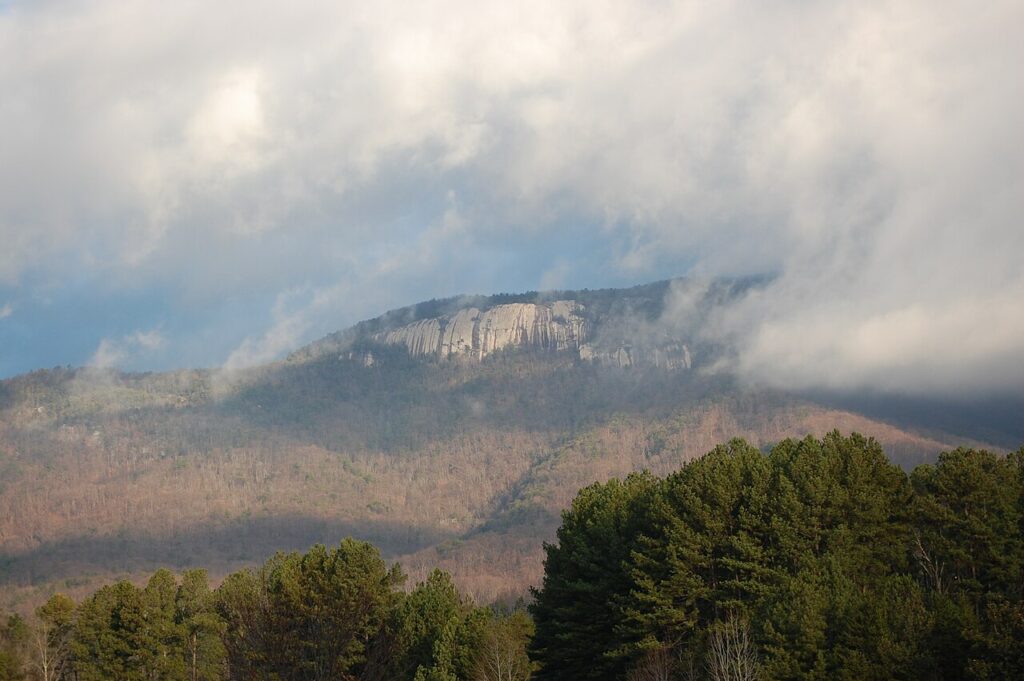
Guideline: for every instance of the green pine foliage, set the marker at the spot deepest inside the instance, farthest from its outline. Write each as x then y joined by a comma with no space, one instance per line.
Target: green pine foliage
835,563
329,613
586,583
307,616
817,560
434,631
15,650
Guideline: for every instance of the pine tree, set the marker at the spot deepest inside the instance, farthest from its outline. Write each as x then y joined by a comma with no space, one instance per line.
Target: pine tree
308,616
201,628
586,582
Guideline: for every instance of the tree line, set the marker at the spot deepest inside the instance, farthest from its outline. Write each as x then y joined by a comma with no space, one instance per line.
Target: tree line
819,560
338,613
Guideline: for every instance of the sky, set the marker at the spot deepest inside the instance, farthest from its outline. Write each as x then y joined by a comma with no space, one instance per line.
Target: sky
215,184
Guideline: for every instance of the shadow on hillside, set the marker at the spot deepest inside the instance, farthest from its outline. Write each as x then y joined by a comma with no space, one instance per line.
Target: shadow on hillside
226,545
995,420
400,402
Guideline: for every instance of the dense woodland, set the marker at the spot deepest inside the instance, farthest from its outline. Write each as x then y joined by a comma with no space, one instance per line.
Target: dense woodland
459,465
323,614
817,560
820,560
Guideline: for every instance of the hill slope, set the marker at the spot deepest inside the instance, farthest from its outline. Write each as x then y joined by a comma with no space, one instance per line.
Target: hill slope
451,432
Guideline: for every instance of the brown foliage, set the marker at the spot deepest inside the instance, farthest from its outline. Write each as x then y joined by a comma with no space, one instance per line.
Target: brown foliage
120,474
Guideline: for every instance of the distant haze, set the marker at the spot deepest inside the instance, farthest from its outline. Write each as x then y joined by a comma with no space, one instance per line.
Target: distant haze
215,184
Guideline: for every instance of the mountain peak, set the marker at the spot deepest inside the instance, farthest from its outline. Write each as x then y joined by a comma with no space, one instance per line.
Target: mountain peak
613,327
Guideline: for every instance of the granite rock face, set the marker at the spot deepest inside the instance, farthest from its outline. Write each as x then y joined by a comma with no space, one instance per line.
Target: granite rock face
559,325
669,355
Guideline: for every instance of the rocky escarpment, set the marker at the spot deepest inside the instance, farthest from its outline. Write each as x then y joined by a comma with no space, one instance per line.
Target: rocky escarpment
667,355
559,325
638,326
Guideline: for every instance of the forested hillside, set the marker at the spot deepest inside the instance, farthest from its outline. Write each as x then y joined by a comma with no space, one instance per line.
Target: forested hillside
818,560
461,462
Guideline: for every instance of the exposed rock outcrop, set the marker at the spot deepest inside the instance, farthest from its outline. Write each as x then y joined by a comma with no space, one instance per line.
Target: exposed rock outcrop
671,355
421,338
640,326
558,325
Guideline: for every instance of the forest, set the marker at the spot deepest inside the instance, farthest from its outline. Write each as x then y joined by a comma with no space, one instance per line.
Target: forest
814,559
338,613
462,464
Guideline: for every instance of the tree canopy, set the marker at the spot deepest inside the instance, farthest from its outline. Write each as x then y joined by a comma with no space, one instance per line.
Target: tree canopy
819,559
828,559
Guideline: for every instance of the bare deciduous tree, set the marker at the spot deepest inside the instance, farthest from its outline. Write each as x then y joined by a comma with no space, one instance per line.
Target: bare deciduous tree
656,665
51,636
502,656
731,653
932,568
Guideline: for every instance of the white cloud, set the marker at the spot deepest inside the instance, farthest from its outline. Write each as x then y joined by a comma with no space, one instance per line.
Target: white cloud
869,152
147,340
108,355
556,277
116,352
295,312
287,330
6,311
225,132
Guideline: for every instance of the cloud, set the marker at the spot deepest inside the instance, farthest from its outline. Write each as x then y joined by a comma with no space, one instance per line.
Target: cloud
6,311
114,353
867,153
557,277
107,355
288,329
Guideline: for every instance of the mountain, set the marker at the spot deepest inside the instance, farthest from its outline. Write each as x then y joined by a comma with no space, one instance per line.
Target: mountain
450,433
613,327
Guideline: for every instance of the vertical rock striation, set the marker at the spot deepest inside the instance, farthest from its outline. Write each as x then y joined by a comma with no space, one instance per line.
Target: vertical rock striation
669,355
556,326
422,337
559,325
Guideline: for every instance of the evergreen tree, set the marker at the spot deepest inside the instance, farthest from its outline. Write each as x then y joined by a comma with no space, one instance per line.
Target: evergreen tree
843,567
104,645
201,628
818,560
308,616
15,638
157,637
585,584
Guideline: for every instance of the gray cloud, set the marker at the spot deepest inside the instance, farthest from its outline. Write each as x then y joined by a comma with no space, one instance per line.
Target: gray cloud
338,156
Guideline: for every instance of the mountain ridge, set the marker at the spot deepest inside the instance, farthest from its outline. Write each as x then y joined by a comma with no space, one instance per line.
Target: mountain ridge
462,460
644,304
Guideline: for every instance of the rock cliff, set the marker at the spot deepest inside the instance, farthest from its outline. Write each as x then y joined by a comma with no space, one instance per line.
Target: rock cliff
669,355
638,326
559,325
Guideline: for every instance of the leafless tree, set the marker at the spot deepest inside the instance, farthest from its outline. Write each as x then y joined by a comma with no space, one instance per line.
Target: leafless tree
52,649
932,567
502,656
51,636
731,653
657,665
